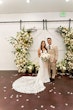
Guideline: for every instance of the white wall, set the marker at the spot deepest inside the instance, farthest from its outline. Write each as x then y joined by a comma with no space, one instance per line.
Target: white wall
10,29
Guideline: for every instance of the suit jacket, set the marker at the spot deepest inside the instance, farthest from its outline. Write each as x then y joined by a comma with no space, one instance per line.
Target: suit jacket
53,51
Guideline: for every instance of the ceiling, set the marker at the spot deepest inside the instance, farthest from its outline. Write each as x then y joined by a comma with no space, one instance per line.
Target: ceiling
20,6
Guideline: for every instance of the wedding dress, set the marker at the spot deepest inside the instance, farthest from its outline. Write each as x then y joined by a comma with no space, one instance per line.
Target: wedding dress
30,84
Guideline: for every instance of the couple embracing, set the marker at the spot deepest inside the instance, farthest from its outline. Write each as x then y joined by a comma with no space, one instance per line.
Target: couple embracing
49,66
46,73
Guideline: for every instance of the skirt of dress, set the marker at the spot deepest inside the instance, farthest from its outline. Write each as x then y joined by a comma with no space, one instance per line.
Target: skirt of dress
30,84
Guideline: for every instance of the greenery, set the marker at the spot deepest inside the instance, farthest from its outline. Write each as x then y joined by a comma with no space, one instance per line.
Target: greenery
67,64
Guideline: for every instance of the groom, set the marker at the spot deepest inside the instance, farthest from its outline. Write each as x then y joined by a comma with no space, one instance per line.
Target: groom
53,51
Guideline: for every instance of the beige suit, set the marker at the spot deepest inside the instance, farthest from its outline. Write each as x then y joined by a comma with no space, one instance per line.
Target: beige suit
53,51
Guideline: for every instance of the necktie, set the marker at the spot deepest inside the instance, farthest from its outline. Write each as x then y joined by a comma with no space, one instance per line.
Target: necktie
49,47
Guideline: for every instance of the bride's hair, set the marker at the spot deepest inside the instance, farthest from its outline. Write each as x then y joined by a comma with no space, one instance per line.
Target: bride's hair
44,45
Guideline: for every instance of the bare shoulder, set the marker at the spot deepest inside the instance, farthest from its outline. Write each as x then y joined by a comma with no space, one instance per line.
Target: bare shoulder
39,52
39,49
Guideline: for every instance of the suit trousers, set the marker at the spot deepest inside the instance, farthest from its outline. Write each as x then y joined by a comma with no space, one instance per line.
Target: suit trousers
52,69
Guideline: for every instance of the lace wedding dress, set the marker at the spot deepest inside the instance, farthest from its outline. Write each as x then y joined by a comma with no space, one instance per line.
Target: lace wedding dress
30,84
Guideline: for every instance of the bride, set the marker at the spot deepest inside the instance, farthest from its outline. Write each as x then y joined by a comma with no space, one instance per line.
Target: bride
30,84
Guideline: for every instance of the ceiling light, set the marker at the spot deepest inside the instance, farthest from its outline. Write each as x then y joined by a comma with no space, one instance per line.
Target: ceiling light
1,1
67,0
28,1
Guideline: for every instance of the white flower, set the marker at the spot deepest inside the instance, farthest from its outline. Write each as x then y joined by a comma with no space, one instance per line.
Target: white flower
64,68
45,56
30,68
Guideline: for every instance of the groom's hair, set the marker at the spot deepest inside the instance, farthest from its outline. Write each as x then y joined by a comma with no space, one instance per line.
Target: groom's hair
48,38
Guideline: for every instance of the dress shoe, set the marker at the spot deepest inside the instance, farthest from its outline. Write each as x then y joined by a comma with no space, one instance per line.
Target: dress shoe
50,79
53,79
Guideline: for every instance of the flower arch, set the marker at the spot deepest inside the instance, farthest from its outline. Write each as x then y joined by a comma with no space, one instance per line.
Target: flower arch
24,40
67,64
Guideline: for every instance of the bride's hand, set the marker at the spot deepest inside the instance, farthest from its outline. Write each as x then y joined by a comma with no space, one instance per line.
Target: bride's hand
39,53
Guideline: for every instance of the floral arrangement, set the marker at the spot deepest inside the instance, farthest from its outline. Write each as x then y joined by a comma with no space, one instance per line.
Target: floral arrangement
67,63
45,57
32,67
61,66
21,45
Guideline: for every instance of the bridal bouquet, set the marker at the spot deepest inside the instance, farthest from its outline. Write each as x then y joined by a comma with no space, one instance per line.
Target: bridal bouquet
45,56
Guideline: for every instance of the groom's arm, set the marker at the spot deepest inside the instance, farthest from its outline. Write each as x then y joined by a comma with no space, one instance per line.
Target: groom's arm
56,53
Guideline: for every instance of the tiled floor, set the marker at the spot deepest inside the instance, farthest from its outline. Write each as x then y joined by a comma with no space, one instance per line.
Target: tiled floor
57,95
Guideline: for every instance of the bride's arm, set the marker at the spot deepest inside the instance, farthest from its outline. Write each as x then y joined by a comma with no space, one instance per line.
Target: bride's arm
38,52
